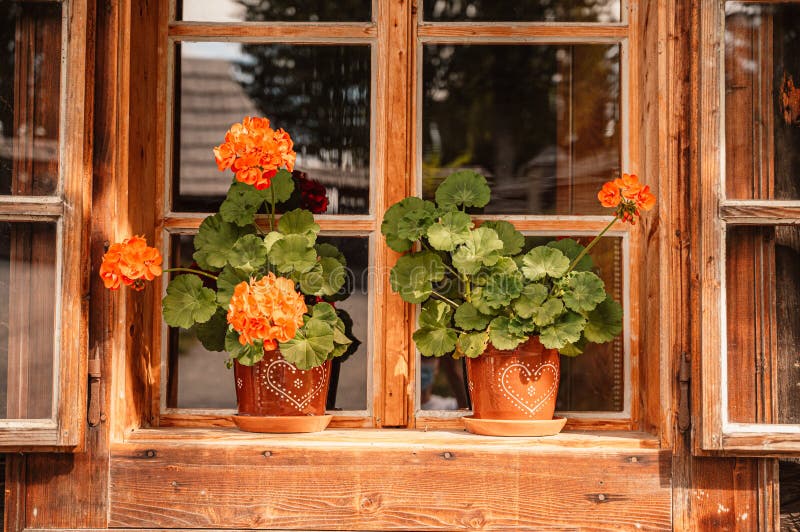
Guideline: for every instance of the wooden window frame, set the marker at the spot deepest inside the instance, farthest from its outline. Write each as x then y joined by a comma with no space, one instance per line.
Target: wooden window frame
716,432
394,33
69,209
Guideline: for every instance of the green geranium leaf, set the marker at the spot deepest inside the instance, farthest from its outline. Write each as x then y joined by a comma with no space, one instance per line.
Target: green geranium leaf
311,345
453,229
513,240
282,185
468,318
328,250
293,253
548,312
413,275
187,302
414,224
531,298
299,222
246,354
571,248
435,337
248,254
214,242
463,189
326,278
566,330
583,291
391,221
241,204
472,345
479,301
482,248
521,326
574,349
501,335
500,290
212,333
543,261
227,280
605,321
271,238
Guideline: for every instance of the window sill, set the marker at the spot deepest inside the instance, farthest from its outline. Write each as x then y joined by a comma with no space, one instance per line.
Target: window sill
332,439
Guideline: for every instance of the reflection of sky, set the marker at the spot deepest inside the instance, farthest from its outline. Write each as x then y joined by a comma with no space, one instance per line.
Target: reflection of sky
216,10
230,51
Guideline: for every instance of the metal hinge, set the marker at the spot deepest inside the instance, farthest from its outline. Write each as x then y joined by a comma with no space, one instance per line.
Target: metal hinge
684,379
94,414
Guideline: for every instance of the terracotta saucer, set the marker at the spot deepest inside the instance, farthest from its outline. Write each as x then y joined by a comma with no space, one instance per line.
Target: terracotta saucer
515,427
282,424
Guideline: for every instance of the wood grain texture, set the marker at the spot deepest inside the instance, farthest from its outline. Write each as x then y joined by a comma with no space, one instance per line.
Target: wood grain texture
361,486
274,31
760,212
520,32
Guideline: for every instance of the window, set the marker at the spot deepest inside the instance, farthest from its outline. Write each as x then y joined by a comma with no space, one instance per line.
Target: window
42,220
750,235
383,103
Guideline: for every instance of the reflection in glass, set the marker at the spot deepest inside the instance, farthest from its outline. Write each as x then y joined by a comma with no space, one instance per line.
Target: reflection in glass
274,10
763,324
789,475
522,10
30,87
762,101
593,381
27,319
542,123
320,94
198,378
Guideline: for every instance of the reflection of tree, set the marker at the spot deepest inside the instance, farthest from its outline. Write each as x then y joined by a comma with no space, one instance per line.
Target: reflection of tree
538,10
307,10
319,93
8,26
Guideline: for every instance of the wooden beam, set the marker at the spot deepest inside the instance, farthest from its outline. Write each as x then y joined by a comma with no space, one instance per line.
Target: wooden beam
760,212
188,223
438,482
544,32
285,32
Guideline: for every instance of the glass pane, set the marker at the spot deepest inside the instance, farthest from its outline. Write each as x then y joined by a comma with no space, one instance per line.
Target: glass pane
593,381
763,324
522,10
319,94
275,10
541,122
762,101
789,470
30,90
27,319
198,378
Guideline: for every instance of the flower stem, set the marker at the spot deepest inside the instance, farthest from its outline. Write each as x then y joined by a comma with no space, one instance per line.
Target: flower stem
591,245
445,299
272,212
190,270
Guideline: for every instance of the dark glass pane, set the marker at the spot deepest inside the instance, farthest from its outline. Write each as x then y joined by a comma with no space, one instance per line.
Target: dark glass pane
319,94
275,10
541,122
762,101
28,299
789,471
30,92
197,378
593,381
763,324
522,10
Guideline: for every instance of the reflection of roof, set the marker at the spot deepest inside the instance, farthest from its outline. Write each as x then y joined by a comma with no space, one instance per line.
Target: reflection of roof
211,100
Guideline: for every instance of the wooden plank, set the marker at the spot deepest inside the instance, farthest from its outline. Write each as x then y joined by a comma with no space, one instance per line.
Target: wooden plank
394,317
186,223
375,486
31,207
294,32
426,420
764,212
520,32
210,420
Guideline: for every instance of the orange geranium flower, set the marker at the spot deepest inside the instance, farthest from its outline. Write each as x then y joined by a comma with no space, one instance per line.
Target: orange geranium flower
255,152
628,196
268,309
130,263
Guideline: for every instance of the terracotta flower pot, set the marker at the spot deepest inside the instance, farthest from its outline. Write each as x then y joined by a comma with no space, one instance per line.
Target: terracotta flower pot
521,384
273,388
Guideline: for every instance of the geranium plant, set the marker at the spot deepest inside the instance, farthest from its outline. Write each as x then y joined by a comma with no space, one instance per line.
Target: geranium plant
480,284
260,282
